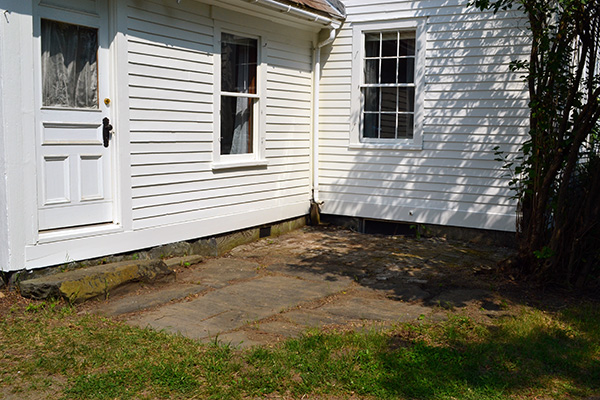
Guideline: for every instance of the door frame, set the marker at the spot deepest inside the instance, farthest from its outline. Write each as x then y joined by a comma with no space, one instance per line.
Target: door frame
116,15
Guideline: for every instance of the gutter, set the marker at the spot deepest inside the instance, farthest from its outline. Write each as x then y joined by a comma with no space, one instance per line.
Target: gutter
297,12
333,30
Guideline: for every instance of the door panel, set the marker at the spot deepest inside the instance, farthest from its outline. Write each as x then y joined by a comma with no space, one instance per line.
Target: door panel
75,170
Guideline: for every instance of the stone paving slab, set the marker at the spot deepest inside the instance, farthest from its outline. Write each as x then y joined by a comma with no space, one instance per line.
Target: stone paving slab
304,272
144,301
264,292
398,289
217,273
271,332
281,328
234,306
359,308
314,318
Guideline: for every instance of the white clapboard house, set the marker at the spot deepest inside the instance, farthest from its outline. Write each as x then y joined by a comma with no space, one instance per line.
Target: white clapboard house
127,124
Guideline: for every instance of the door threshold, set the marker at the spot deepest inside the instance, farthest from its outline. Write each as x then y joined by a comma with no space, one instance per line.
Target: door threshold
56,235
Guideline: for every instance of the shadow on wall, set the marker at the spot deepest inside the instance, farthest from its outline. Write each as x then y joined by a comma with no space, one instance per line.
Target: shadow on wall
472,104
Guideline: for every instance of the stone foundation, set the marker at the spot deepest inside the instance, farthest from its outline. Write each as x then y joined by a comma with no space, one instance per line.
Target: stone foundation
211,247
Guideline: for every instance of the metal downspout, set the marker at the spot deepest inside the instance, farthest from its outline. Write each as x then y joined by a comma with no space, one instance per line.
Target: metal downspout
316,92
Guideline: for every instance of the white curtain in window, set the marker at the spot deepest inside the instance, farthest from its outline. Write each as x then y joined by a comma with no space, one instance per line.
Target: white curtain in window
239,144
241,130
69,67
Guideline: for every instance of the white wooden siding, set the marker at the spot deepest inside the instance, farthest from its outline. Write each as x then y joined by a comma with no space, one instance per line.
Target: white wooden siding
472,104
170,50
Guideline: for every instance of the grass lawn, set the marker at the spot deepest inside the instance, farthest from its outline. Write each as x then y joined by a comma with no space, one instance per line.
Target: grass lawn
49,350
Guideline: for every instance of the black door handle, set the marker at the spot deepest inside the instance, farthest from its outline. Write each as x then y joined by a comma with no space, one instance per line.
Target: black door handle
106,128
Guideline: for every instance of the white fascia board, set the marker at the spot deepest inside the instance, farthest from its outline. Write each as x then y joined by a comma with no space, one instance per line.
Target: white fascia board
275,11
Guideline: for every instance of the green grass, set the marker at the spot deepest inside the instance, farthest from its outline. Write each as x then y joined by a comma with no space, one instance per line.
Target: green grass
49,351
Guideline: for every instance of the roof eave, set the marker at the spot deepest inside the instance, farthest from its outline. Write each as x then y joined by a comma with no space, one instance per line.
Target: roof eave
314,16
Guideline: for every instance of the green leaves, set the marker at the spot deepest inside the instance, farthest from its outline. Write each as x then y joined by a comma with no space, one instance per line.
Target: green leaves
559,218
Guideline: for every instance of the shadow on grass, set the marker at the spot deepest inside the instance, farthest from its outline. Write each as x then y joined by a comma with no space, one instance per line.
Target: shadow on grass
536,354
503,364
532,355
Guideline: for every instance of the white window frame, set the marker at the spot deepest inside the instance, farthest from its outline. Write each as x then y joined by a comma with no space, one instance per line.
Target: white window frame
257,157
357,141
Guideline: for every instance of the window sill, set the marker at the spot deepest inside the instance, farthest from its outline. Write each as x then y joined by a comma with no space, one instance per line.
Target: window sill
385,146
218,166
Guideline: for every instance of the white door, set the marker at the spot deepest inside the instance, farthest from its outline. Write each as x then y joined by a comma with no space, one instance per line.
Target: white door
74,165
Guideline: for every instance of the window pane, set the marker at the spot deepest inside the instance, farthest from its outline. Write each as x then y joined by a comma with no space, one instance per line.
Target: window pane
405,126
372,71
406,99
238,64
388,126
371,96
388,99
236,125
407,43
388,70
69,65
389,44
371,128
406,70
372,45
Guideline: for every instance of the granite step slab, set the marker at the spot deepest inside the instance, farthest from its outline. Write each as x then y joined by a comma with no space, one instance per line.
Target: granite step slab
87,283
139,302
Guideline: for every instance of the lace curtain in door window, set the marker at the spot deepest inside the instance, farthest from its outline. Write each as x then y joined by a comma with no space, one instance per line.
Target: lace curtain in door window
69,65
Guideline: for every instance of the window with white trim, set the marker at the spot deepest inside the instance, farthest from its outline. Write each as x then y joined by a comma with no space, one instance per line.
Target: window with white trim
238,93
388,88
239,128
388,77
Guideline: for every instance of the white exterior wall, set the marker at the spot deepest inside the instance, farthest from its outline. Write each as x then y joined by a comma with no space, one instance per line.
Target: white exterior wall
472,103
162,76
170,53
3,175
16,126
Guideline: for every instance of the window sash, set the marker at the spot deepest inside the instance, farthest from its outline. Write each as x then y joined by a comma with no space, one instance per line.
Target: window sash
237,94
238,104
380,121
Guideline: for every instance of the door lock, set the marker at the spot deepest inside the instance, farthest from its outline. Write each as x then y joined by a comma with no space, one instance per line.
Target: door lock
106,128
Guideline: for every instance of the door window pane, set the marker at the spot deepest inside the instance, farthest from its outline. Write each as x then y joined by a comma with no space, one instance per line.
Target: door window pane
69,65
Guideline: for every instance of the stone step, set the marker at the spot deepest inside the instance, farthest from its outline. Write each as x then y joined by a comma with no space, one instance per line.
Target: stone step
82,284
139,302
